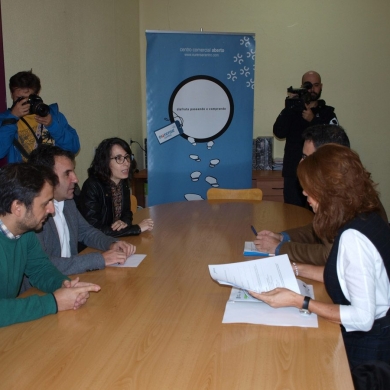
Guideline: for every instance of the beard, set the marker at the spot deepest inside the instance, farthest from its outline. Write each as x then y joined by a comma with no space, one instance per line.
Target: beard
30,222
315,96
29,225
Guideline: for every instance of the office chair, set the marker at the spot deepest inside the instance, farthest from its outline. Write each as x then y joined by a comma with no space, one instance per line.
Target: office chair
133,203
225,194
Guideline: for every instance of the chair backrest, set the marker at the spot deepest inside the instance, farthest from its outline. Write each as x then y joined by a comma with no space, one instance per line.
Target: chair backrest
244,194
133,203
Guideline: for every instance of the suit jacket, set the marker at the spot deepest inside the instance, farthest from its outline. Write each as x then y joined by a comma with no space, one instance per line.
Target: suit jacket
305,247
79,230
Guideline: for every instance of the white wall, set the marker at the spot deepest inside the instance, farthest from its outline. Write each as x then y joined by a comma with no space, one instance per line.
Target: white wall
87,56
90,56
345,41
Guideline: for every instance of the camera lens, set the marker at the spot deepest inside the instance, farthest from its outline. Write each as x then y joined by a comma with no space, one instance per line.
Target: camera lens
37,106
41,109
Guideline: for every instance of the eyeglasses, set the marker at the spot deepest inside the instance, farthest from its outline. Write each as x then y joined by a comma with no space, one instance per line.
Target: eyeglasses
121,159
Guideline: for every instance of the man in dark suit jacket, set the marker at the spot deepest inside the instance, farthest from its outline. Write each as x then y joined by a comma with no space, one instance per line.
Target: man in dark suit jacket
66,227
301,244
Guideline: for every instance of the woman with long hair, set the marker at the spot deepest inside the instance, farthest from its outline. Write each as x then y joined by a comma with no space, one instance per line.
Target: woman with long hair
105,196
356,275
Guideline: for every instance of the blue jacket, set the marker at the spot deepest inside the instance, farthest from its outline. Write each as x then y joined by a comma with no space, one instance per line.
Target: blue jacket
63,134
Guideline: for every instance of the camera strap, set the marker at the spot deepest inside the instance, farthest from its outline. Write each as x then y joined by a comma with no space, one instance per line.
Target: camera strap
21,149
19,146
39,140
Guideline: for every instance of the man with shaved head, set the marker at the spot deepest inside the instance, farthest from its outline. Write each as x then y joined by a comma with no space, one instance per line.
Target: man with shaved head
291,123
301,244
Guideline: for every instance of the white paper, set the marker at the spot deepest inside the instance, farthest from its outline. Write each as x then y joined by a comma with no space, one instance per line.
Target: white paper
238,295
251,250
257,275
257,312
131,261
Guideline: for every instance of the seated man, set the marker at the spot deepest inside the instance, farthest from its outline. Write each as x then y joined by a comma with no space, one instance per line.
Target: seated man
26,199
29,123
63,230
301,244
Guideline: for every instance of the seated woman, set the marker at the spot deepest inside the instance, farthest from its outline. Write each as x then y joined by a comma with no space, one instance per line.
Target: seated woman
356,274
104,200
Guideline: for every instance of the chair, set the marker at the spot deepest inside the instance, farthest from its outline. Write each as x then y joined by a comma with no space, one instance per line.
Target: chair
133,203
244,194
371,375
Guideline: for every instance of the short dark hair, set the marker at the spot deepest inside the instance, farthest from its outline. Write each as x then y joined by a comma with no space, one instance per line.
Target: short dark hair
25,79
326,134
100,166
23,182
45,155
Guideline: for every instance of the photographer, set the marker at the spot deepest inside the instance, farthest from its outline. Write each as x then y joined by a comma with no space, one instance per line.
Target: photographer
30,122
303,109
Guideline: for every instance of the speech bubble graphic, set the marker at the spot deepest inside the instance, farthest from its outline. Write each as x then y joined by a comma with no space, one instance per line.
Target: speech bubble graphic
195,175
194,157
212,181
205,106
193,197
213,163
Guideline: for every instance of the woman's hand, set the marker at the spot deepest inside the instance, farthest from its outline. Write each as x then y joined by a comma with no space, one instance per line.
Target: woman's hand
280,297
146,224
118,225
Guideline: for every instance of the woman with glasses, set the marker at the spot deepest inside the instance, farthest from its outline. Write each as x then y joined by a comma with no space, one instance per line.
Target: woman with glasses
105,197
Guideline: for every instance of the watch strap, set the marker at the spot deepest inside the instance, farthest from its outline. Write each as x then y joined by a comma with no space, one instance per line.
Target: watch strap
305,304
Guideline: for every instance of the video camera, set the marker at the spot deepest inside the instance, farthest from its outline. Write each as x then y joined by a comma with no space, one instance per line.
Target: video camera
301,98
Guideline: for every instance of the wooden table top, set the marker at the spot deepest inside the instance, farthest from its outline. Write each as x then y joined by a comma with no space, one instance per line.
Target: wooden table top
159,326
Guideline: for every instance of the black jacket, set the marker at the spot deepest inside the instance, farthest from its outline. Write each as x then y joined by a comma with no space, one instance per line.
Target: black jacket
95,204
290,125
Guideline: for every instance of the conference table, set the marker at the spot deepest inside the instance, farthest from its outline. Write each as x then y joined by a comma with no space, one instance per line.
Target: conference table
159,325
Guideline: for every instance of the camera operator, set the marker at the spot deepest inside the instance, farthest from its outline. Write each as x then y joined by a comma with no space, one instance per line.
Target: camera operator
302,110
30,122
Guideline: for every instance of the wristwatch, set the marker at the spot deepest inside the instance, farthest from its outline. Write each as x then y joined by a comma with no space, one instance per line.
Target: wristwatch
305,306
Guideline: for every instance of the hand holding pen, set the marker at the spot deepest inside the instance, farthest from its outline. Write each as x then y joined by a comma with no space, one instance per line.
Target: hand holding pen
266,241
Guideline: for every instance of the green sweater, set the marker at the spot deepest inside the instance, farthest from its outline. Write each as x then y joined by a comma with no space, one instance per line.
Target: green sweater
26,256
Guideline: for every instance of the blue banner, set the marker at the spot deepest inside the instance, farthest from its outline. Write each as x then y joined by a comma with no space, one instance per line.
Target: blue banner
199,91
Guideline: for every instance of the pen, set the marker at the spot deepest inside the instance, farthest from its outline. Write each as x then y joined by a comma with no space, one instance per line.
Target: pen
254,230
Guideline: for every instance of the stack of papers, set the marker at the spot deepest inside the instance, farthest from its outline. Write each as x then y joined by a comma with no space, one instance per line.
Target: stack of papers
257,275
251,250
262,275
242,308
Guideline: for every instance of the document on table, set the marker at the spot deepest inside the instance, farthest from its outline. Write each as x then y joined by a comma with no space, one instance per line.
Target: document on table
243,308
251,250
131,261
257,275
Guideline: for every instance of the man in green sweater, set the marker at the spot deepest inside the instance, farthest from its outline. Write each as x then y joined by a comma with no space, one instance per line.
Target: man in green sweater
26,199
